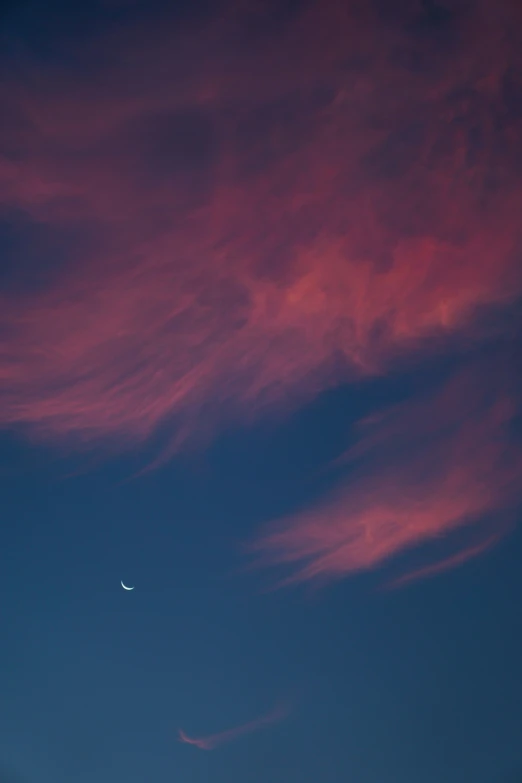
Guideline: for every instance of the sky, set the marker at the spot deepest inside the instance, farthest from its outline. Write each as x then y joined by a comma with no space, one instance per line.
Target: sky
260,305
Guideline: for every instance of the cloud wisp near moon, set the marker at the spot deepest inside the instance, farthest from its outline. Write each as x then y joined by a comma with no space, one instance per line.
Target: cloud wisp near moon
268,209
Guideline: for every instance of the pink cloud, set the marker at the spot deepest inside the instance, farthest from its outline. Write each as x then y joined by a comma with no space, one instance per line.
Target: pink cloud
257,218
448,563
214,740
265,219
420,471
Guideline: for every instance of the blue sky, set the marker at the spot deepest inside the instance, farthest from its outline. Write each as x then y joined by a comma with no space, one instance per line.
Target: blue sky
259,309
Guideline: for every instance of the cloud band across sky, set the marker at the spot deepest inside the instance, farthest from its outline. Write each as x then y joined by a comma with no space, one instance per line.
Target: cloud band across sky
269,208
227,248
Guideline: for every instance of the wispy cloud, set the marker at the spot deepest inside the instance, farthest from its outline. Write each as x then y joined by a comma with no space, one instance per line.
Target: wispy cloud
246,224
212,741
246,216
447,563
420,471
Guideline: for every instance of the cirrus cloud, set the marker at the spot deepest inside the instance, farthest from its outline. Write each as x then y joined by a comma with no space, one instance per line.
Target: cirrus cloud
212,741
254,223
419,472
237,215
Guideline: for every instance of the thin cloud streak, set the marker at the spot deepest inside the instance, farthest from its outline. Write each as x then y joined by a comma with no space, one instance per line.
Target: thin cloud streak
248,224
214,740
419,472
448,563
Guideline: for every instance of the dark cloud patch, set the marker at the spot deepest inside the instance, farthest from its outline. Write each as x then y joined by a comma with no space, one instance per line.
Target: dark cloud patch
33,255
175,144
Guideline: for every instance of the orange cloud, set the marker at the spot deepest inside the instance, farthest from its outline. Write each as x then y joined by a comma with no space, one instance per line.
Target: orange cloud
419,472
214,740
254,213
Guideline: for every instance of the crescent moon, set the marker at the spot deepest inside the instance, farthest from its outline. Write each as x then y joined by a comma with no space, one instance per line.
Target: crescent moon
126,588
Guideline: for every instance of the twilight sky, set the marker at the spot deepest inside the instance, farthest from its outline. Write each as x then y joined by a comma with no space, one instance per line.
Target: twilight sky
260,306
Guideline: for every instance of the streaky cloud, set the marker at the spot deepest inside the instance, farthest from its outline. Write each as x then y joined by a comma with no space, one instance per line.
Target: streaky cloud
420,470
446,564
212,741
244,225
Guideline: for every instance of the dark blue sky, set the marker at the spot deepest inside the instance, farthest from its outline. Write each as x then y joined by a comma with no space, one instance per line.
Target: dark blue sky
420,684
